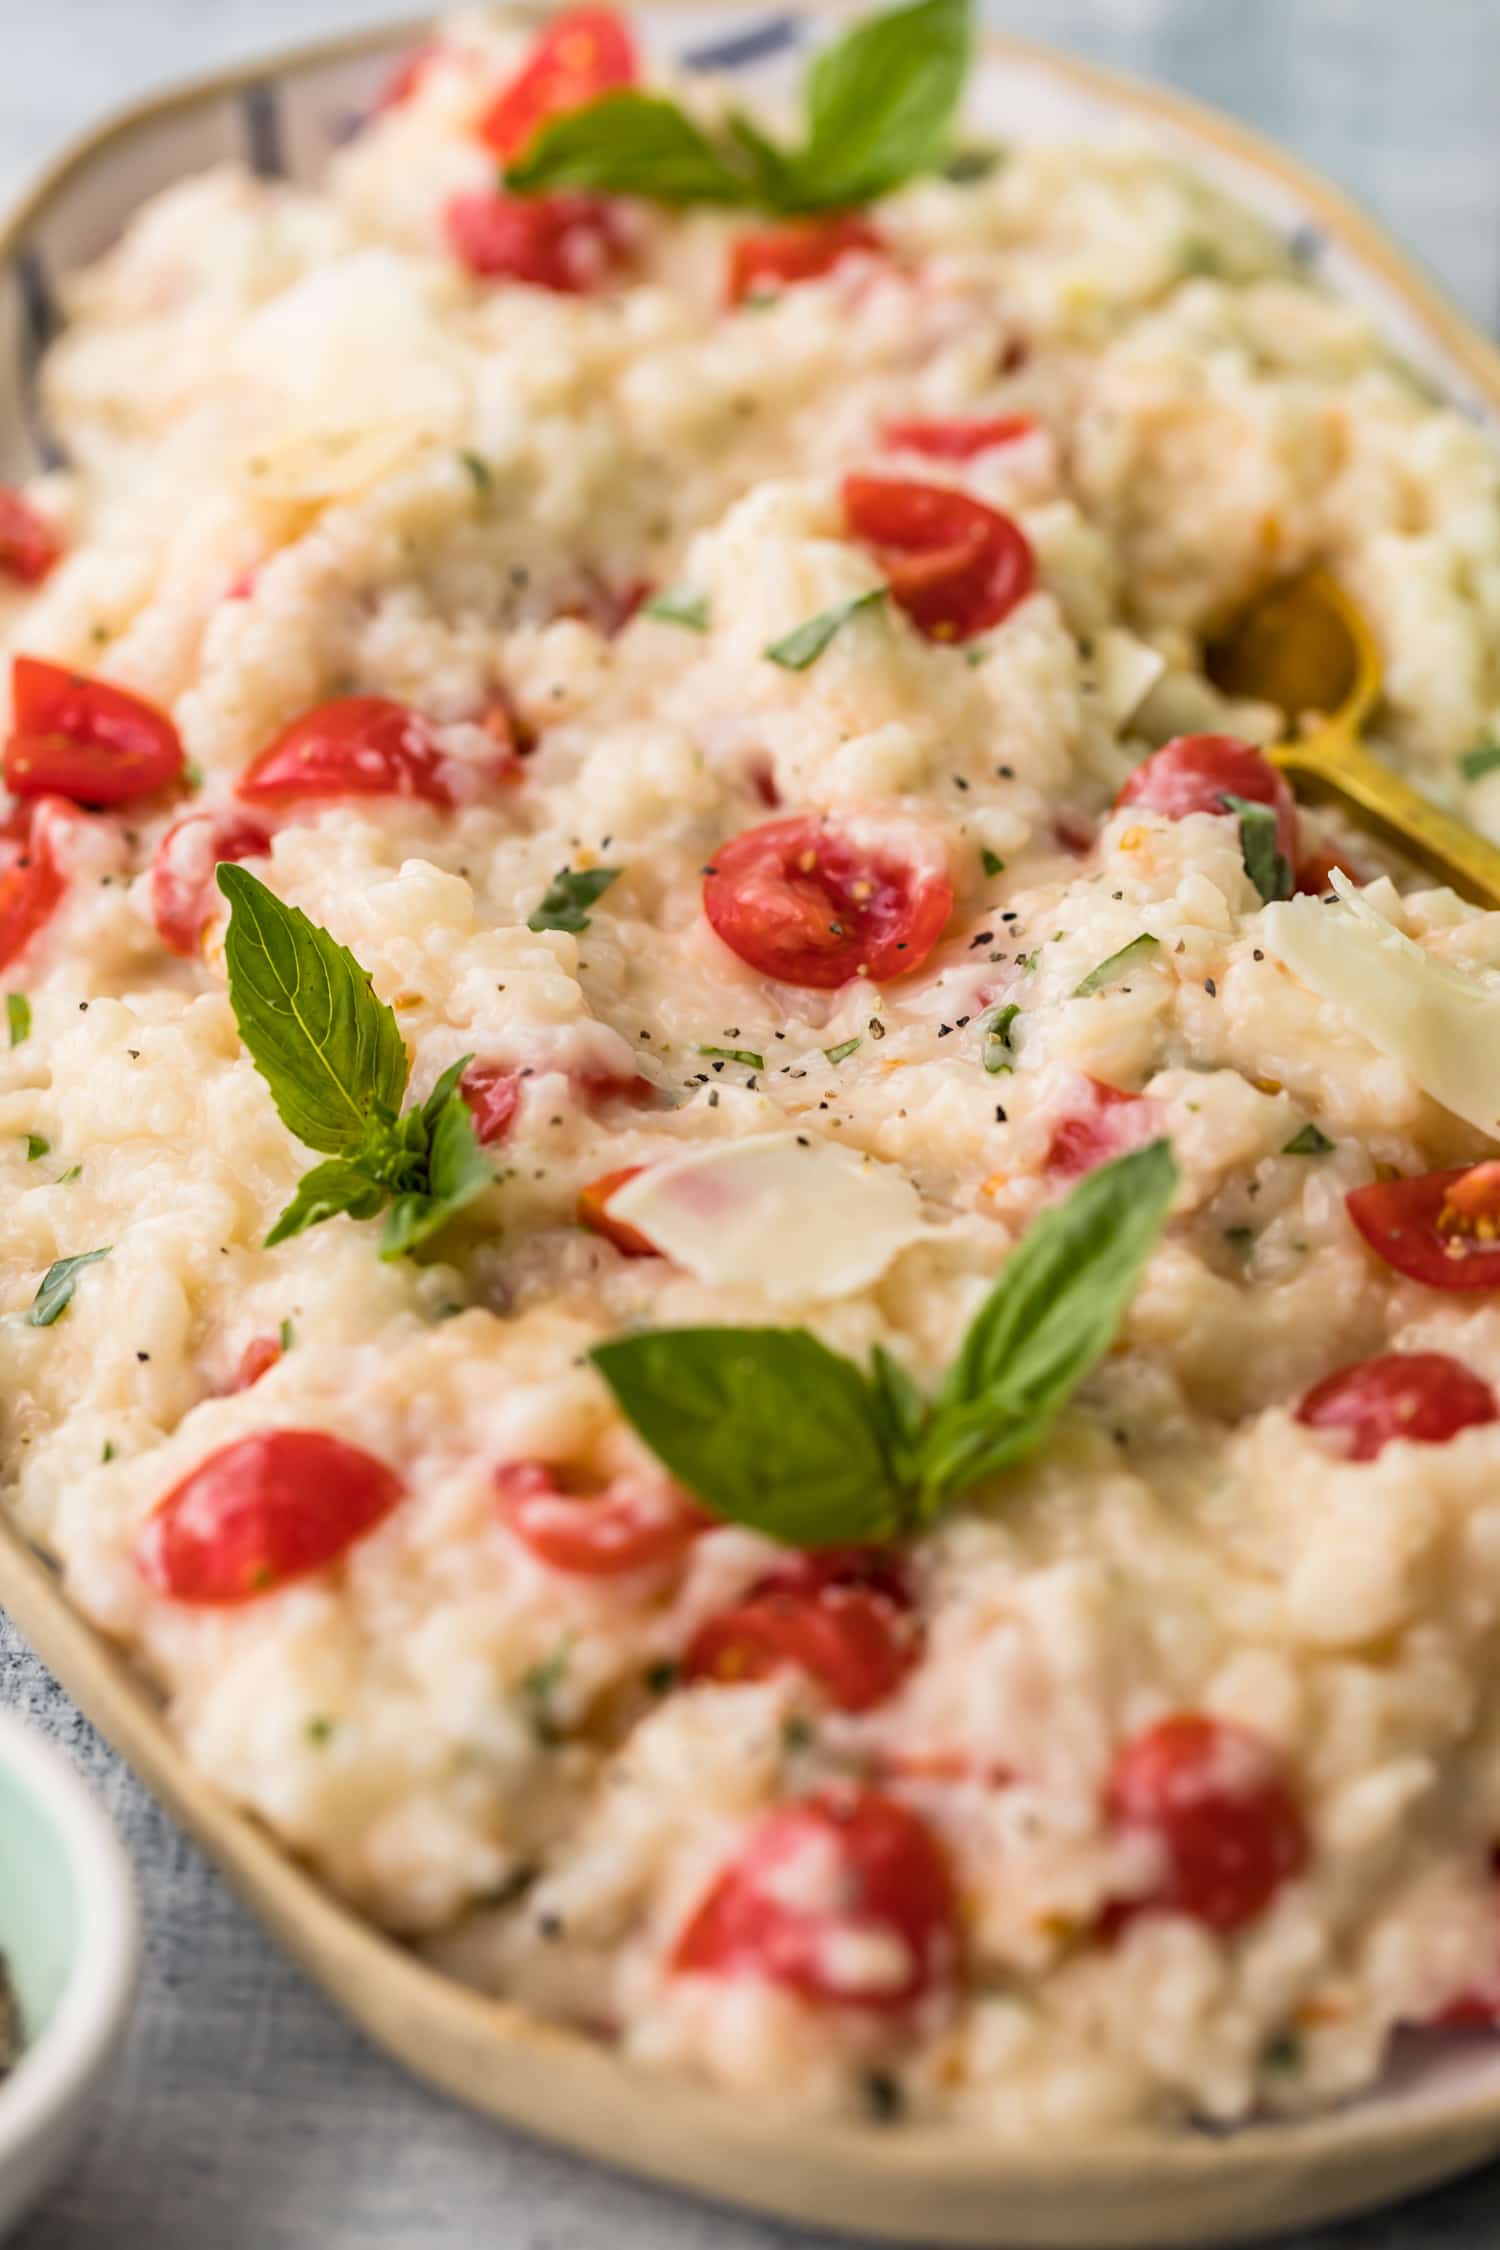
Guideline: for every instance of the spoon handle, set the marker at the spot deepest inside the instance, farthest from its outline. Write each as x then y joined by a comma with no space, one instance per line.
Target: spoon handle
1332,765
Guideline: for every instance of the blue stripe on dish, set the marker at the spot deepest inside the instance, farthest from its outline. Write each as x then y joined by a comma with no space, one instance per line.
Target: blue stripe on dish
745,47
40,322
260,108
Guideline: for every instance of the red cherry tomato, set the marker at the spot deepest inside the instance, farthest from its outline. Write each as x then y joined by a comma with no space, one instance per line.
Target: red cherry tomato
779,257
493,1094
1214,1799
956,441
1424,1396
843,1619
261,1512
582,54
1196,772
258,1358
593,1213
1315,867
595,1535
31,882
567,243
845,1898
29,544
357,746
1439,1228
182,891
802,902
84,739
1104,1123
955,566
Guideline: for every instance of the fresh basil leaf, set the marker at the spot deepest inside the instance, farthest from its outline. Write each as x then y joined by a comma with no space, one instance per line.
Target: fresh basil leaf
766,1426
288,1335
1482,759
1267,868
628,143
18,1017
442,1093
745,1055
678,606
773,170
338,1188
904,1412
1309,1142
995,1050
843,1050
1050,1317
326,1047
568,897
36,1146
55,1290
991,862
806,642
881,103
457,1172
1115,966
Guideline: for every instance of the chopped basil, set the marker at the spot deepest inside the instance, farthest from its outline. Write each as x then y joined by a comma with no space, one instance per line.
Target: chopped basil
995,1050
1267,867
287,1334
478,471
966,165
74,1172
539,1688
106,1452
192,774
991,862
568,897
336,1065
1482,759
878,104
55,1291
1286,2052
1309,1142
843,1050
18,1015
772,1429
1239,1239
36,1146
678,607
1116,966
745,1055
319,1732
975,653
662,1676
806,642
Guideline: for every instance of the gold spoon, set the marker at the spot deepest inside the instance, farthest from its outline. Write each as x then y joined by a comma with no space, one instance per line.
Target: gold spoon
1305,646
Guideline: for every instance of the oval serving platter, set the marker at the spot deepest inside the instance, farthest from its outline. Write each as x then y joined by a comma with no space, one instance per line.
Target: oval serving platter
931,2185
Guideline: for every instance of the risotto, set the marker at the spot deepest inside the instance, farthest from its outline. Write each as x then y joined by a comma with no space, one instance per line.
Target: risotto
863,1458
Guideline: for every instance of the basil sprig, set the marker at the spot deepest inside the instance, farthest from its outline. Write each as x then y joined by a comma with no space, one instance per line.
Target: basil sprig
878,108
1266,865
336,1064
770,1428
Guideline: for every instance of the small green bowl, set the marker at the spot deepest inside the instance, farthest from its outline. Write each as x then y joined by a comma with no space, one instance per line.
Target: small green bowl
70,1935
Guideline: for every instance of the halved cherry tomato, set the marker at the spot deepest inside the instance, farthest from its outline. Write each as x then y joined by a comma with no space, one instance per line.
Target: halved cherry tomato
582,54
956,441
29,544
356,746
261,1512
593,1213
31,882
846,1898
955,566
1439,1228
843,1618
258,1358
1315,866
600,1535
1214,1799
85,739
567,243
779,257
181,889
1424,1396
1196,772
802,902
1104,1123
493,1094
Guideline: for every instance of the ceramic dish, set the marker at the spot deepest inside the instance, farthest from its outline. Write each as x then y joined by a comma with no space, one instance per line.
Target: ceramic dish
924,2184
69,1937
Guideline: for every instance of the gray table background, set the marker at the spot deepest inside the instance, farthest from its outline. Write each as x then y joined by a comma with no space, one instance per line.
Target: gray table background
246,2115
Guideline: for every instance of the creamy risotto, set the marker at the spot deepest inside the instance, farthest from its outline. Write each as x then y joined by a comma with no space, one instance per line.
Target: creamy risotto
733,682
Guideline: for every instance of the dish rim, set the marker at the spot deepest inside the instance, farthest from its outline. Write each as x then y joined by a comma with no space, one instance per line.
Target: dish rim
350,1955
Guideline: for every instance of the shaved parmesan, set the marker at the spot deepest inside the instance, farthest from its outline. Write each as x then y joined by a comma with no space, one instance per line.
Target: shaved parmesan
793,1217
1441,1023
1125,670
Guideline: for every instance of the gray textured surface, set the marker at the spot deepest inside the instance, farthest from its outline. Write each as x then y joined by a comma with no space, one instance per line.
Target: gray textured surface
246,2115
